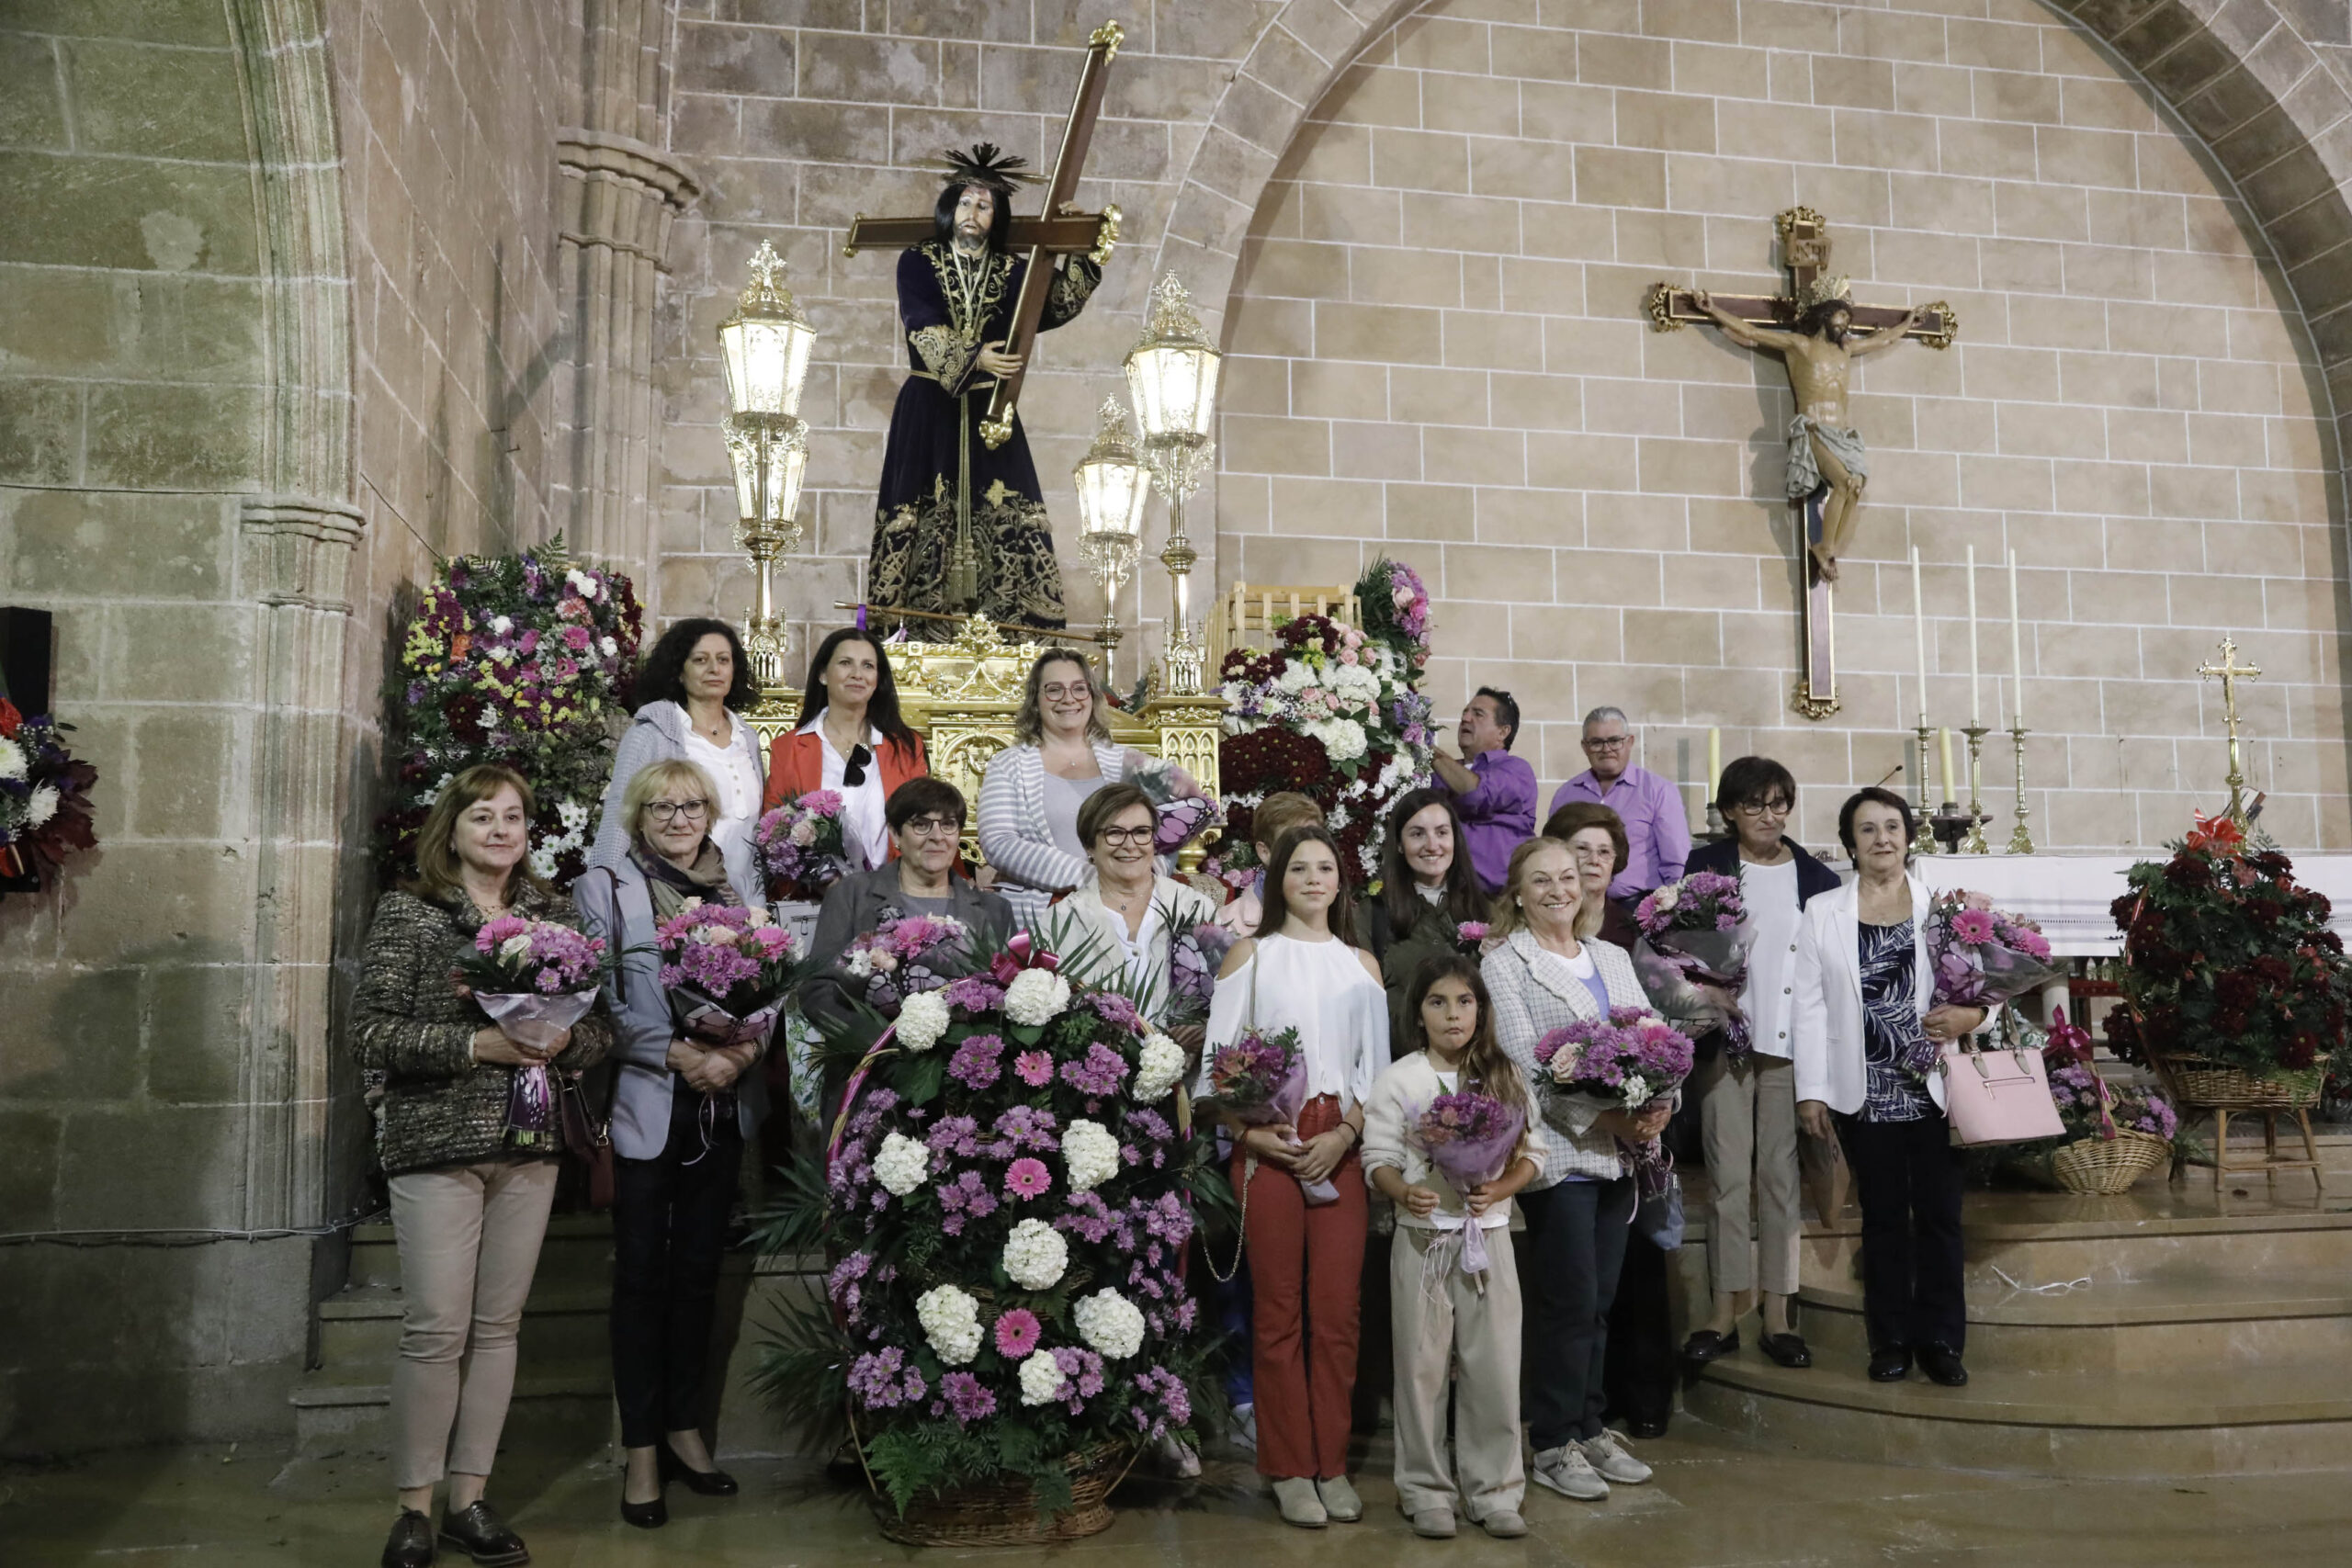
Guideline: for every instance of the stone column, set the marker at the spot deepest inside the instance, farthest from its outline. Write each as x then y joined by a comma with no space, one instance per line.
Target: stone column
621,194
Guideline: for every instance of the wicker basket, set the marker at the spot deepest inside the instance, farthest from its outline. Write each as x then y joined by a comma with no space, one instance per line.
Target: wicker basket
2202,1084
1008,1515
2108,1166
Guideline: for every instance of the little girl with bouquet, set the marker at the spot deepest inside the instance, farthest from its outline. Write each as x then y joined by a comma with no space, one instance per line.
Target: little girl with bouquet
1446,1141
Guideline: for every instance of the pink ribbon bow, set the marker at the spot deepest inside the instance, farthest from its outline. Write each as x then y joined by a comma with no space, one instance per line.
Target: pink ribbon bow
1021,953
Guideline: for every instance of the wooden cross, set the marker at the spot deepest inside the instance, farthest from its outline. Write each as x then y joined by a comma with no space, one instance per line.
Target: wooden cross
2230,672
1060,229
1805,254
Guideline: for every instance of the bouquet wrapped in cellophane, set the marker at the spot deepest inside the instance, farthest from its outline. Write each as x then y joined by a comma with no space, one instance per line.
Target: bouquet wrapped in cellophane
907,954
728,971
801,846
1692,955
1261,1079
536,979
1469,1136
1626,1061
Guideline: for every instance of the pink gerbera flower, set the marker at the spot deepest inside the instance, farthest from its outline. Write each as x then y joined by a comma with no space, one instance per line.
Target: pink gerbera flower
1016,1333
1034,1067
1971,926
1027,1178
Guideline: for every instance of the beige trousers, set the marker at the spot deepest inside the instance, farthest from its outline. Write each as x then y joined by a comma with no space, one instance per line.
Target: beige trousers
469,1238
1747,1116
1447,1325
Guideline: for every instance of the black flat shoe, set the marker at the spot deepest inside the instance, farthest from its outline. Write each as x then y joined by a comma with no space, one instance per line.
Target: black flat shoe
1942,1365
645,1516
1706,1345
701,1483
411,1544
1789,1350
481,1535
1890,1365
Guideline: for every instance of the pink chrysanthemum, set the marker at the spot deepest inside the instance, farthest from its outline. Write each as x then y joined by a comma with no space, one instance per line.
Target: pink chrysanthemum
1016,1332
1035,1069
1027,1178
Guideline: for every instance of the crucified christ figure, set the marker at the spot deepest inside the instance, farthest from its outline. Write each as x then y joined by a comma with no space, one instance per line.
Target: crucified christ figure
1825,450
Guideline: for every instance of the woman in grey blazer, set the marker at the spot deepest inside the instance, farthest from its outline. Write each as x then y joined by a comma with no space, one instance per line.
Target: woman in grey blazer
681,1111
1029,799
1550,970
691,692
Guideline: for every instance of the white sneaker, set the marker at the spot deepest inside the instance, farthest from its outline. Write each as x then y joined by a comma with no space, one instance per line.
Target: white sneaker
1606,1453
1243,1433
1566,1471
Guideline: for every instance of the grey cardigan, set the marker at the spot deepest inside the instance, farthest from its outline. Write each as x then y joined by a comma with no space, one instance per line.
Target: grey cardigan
619,907
659,734
854,906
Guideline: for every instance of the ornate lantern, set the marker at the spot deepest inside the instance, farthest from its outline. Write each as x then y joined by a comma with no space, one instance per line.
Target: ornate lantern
1172,373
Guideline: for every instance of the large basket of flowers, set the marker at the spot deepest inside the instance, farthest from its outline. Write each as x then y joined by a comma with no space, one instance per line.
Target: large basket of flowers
1011,1514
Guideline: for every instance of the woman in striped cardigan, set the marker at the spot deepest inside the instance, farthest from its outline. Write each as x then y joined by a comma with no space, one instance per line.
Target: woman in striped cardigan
1030,799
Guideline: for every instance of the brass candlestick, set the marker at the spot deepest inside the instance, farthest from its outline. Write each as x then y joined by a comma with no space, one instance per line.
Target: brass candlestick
2021,840
1974,843
1926,845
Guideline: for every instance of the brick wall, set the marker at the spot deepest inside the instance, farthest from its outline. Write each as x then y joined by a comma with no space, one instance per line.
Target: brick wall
1440,352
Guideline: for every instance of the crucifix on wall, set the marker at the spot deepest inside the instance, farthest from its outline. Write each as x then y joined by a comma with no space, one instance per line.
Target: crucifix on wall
1819,332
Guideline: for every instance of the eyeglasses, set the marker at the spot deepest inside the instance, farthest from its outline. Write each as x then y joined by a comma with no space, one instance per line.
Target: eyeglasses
1116,836
1606,742
853,771
1059,692
934,828
1774,808
664,810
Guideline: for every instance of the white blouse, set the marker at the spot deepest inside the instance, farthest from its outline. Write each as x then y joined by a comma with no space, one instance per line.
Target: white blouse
731,768
865,832
1774,919
1320,989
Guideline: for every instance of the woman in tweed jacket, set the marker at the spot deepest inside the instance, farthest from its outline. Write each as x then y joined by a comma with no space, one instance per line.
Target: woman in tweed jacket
1548,971
1030,799
468,1209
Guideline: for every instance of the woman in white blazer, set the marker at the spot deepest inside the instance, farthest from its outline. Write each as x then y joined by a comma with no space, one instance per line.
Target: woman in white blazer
1030,799
1549,971
1124,926
1863,1025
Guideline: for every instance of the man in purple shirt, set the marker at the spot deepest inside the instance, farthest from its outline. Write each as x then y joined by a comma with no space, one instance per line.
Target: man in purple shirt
1494,792
1657,831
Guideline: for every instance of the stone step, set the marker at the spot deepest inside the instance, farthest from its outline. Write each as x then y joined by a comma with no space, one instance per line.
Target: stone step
2191,1421
561,1325
576,1251
2137,1326
336,1418
2136,1235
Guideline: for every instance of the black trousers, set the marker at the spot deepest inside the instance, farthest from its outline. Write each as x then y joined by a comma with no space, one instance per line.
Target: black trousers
670,1217
1908,1179
1567,1279
1640,1364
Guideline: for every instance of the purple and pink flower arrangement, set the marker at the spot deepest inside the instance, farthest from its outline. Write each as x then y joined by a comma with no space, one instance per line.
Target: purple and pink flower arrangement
728,970
1982,956
801,846
1692,955
1469,1136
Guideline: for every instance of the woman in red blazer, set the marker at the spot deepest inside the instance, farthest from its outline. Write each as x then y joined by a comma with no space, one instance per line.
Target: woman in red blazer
851,740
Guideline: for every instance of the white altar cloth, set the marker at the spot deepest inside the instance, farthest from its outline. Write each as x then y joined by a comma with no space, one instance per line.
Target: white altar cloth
2068,895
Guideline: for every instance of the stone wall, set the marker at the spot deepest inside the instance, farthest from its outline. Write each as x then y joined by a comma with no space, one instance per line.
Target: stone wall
1439,351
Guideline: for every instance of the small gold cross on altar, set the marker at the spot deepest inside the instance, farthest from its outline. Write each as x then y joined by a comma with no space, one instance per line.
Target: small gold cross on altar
2230,672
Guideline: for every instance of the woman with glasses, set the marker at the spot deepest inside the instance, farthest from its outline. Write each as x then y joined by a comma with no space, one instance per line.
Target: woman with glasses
926,823
696,684
681,1111
1029,799
850,739
1123,925
1747,1108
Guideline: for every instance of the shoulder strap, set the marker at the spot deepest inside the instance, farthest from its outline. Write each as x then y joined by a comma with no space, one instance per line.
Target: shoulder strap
1257,952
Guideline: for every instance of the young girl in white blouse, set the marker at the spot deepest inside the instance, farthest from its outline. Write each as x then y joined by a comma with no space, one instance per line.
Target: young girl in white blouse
1446,1319
1304,972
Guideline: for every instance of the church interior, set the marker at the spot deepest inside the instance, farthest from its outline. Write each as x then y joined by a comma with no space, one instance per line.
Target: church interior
1167,331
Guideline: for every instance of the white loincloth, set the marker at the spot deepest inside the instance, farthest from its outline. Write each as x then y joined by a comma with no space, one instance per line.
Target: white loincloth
1805,472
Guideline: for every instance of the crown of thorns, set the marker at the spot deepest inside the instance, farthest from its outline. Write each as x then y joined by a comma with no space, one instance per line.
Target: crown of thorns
988,167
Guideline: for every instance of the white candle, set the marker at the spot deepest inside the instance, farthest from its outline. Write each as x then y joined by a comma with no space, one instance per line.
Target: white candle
2016,647
1946,736
1715,758
1975,706
1920,634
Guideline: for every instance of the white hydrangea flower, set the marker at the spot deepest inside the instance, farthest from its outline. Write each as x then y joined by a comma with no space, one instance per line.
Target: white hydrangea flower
1110,1323
903,1164
1036,997
1355,680
1162,1063
1343,739
1090,1154
1034,1255
500,625
923,1017
607,647
1041,1378
951,1320
1296,676
13,765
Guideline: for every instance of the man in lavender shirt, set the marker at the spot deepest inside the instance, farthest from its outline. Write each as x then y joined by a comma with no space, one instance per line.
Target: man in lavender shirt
1658,832
1494,792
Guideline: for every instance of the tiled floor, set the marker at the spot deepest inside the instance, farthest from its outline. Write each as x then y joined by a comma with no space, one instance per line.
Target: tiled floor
1711,1503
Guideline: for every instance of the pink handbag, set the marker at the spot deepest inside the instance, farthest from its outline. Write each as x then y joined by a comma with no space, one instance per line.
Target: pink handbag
1997,1097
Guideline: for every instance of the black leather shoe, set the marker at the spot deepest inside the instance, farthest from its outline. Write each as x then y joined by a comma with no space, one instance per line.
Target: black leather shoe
481,1535
1654,1426
1891,1364
644,1516
1942,1364
1706,1345
1789,1350
701,1483
411,1544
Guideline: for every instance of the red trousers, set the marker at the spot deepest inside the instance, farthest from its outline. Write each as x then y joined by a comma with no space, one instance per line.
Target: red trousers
1306,1267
